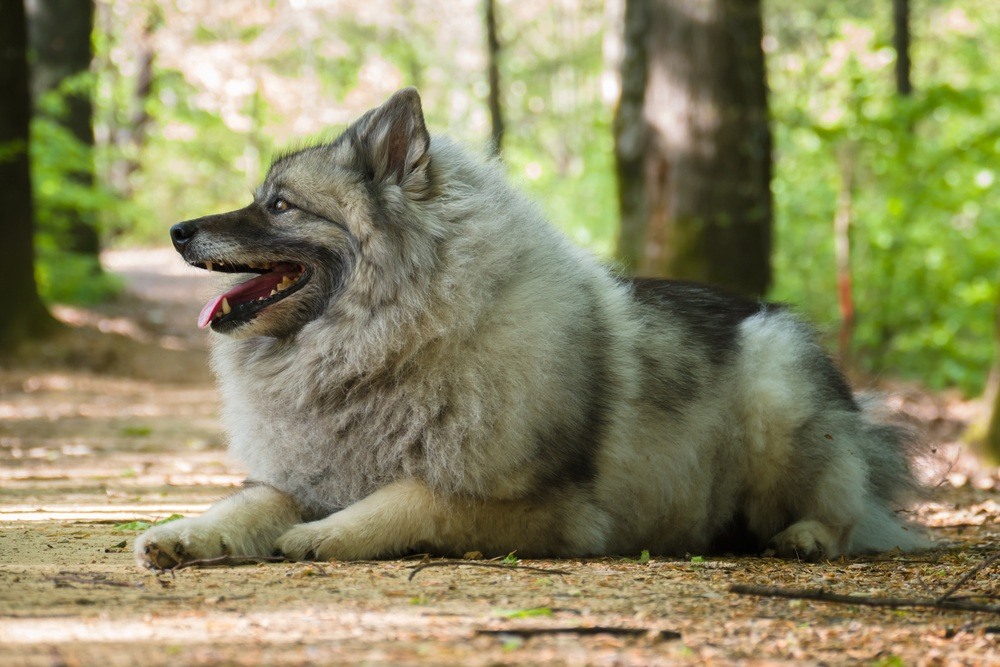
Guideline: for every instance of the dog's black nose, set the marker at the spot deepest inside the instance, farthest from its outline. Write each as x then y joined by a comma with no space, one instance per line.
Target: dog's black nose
181,233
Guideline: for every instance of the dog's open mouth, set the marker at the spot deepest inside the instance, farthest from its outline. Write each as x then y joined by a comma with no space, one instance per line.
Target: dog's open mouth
274,281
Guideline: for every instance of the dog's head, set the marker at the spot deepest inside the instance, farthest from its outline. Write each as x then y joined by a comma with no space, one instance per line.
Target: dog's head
330,222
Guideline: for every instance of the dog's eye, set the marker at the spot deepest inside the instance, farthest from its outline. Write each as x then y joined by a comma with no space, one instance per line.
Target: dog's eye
280,205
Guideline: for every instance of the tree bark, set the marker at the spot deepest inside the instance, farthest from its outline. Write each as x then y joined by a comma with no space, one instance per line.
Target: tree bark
991,441
129,137
842,253
493,69
24,314
693,143
631,132
901,42
59,33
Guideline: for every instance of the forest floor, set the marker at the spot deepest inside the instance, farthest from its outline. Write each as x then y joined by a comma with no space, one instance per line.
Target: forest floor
114,423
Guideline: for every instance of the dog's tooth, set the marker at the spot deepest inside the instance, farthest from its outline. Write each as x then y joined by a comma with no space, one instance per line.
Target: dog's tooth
225,307
273,292
208,265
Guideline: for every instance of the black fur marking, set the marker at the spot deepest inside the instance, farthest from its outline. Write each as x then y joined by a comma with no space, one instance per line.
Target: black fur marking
711,315
668,390
569,447
832,382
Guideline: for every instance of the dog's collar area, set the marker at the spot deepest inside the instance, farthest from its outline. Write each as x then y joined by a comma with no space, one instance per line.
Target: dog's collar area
274,282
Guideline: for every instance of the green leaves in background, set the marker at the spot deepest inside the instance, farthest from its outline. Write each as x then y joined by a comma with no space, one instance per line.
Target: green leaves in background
925,201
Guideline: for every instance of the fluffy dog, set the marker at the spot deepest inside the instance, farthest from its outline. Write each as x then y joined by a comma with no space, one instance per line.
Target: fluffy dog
419,361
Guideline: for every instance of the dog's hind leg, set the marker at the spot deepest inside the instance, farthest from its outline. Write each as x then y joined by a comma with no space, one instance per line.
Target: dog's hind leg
245,524
832,496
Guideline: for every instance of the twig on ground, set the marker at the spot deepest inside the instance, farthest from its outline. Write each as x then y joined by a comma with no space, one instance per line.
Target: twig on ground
195,598
470,563
584,630
220,561
968,576
65,579
823,595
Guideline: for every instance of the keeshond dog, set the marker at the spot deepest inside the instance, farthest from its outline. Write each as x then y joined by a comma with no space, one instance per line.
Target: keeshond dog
414,360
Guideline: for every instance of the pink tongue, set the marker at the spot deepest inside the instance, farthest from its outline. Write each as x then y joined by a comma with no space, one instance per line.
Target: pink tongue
205,317
251,290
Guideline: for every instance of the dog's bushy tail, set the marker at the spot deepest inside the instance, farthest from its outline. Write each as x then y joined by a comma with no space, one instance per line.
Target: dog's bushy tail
895,448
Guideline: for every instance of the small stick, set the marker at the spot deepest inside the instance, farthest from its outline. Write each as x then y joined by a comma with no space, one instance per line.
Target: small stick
470,563
191,598
585,630
823,595
99,580
225,560
969,575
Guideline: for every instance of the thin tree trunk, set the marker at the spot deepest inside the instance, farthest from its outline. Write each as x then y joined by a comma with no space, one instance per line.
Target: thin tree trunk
631,132
991,398
901,42
695,144
139,124
60,36
24,314
493,66
842,252
129,137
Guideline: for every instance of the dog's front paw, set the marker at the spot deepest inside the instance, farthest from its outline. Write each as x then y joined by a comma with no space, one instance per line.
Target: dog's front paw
181,541
805,540
321,540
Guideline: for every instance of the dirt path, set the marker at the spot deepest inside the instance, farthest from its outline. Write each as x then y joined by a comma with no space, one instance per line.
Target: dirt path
115,423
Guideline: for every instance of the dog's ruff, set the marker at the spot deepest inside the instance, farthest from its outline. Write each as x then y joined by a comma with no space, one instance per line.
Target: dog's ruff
446,373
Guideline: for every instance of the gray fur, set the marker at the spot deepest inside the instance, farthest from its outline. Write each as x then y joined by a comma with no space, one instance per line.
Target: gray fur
456,376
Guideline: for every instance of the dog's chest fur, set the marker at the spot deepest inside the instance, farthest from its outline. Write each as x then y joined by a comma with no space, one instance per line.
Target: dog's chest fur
328,441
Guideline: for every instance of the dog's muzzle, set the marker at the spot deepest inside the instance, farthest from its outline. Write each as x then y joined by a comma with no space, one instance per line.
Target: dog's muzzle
181,233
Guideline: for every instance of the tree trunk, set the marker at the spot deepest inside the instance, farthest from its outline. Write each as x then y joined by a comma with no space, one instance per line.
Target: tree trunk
842,253
631,131
901,42
493,67
129,137
693,143
59,33
24,314
991,441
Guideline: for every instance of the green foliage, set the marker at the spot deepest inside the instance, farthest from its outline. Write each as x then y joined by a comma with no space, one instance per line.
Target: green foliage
195,166
510,559
559,145
66,277
925,196
533,612
65,193
643,558
143,525
925,201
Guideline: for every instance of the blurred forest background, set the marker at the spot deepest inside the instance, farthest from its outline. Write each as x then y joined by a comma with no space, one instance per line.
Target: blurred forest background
883,171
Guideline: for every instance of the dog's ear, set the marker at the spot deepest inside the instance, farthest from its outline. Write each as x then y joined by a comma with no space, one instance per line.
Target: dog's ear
394,141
